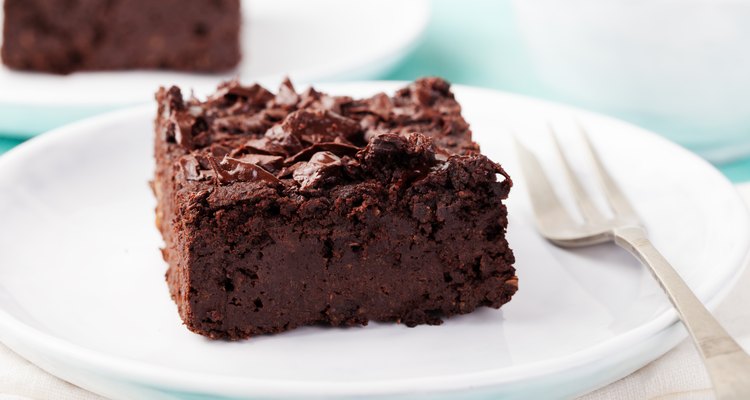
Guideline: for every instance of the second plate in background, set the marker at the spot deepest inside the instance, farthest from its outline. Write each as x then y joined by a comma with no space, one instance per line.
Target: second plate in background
321,40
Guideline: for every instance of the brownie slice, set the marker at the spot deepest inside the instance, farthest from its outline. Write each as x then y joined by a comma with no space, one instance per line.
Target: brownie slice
84,35
291,209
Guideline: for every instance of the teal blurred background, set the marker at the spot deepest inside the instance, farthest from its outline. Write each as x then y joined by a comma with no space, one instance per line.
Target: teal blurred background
478,42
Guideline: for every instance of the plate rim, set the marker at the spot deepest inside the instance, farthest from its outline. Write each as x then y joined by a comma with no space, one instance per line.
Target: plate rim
162,376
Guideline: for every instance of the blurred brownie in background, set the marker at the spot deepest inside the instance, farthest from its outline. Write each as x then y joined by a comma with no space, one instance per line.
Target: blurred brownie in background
86,35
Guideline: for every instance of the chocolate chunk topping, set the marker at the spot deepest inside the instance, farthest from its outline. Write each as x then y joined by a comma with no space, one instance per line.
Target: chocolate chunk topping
219,151
191,168
286,139
309,98
288,171
237,124
313,126
183,129
391,149
427,91
323,166
232,170
174,99
287,96
254,94
325,158
339,149
266,161
263,145
281,133
381,105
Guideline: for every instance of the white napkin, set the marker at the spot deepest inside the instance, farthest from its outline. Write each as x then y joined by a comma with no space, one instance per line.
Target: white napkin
22,380
678,375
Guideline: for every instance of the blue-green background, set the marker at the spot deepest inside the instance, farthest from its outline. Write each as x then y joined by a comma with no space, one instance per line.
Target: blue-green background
476,42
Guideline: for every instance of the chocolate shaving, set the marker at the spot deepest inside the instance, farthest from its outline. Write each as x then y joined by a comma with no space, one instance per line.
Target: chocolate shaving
381,105
236,124
174,99
262,145
195,168
339,149
183,129
289,170
266,161
284,138
232,170
286,96
254,94
313,126
308,97
190,168
322,166
218,150
249,133
325,158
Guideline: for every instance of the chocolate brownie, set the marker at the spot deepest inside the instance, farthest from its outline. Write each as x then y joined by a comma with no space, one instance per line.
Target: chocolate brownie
84,35
290,209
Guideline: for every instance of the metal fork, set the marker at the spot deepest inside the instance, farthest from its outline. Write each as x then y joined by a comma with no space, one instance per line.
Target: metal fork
727,364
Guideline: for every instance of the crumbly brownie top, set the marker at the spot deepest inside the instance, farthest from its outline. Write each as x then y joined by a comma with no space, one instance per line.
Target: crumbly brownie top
308,141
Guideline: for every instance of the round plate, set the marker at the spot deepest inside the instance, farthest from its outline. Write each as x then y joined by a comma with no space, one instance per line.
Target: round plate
320,40
82,290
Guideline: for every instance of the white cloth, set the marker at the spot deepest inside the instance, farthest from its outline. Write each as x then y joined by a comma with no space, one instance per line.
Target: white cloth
678,375
22,380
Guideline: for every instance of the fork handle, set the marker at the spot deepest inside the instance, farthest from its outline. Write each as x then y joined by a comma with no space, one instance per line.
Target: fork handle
727,364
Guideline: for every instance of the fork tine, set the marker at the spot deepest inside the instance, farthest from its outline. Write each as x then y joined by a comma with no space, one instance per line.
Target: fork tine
589,211
548,209
617,200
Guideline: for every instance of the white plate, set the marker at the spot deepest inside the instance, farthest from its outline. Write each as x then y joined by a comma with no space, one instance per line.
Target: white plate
310,40
82,291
